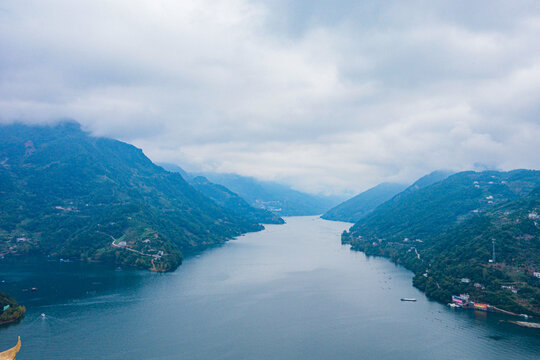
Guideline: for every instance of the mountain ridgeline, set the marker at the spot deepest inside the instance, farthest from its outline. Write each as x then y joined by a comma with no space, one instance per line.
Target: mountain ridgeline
445,232
70,195
278,198
270,196
229,200
225,197
362,204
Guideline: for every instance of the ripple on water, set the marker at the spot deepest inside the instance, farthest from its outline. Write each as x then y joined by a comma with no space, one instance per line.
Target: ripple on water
289,292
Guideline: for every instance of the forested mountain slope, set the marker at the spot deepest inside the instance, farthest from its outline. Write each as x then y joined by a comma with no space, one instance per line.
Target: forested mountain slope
225,197
230,200
432,209
445,233
362,204
68,194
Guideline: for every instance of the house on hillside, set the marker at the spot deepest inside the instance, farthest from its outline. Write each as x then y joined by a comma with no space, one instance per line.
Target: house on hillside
534,216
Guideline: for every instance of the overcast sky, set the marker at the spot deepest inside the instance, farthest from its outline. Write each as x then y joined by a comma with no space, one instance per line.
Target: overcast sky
326,96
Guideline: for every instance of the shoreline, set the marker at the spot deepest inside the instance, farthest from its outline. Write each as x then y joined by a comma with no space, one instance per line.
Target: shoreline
496,309
7,322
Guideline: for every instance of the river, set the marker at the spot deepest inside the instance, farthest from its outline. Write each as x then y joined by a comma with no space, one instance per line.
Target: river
289,292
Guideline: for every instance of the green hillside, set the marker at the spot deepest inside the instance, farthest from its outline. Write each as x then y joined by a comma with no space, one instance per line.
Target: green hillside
362,204
434,208
444,233
67,194
225,197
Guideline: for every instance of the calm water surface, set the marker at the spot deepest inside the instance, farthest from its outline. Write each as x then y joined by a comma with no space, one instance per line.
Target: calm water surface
289,292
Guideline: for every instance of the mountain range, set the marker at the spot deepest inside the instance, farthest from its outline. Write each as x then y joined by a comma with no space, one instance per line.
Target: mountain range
67,194
232,201
362,204
276,198
445,232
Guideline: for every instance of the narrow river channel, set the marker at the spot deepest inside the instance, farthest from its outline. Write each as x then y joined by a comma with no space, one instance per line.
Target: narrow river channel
289,292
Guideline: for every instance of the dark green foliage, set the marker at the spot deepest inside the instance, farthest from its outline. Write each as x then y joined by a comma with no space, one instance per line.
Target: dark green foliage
362,204
225,197
444,233
69,194
13,313
432,209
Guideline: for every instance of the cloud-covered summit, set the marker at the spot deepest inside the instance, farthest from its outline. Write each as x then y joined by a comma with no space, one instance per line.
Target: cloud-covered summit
326,96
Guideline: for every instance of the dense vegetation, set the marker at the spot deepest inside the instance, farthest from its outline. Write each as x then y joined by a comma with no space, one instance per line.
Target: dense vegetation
362,204
444,233
70,195
12,312
225,197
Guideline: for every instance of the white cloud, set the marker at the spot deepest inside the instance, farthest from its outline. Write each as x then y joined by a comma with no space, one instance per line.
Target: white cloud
327,99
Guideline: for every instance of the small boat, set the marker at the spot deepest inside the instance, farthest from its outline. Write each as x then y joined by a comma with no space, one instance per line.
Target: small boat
43,316
408,299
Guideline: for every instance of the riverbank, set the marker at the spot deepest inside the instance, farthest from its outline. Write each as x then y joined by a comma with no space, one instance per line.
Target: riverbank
294,285
526,324
7,322
438,284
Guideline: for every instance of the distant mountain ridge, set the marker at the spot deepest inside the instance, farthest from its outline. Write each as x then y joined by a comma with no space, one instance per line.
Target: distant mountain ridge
362,204
444,232
225,197
69,194
176,169
280,199
276,198
428,179
229,200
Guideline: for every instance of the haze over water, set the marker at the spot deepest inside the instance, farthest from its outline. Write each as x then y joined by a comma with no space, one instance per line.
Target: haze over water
288,292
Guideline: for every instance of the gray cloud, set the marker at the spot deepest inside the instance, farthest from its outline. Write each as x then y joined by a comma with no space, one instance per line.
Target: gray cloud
327,97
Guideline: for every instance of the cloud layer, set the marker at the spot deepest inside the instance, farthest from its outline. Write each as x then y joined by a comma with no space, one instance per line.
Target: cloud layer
328,97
